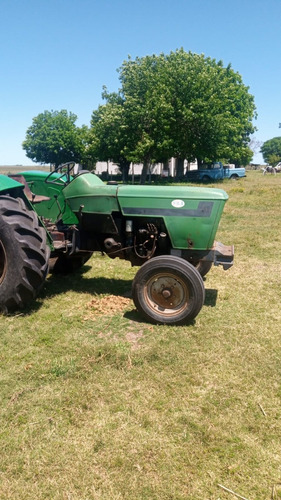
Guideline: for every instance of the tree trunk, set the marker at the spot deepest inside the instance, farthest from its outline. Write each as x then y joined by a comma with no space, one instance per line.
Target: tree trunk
179,168
199,162
125,167
144,171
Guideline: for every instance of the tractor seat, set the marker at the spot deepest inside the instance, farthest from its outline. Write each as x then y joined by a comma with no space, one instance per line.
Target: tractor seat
32,197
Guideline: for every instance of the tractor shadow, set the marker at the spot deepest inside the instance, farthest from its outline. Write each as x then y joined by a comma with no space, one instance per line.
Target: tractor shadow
59,284
211,295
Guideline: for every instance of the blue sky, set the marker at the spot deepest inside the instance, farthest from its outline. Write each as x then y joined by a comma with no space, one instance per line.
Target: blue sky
57,54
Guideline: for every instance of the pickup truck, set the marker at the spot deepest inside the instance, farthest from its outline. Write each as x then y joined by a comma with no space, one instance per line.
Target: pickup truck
215,171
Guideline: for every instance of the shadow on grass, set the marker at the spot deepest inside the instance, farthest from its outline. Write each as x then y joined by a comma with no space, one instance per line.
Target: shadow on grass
211,296
210,301
58,284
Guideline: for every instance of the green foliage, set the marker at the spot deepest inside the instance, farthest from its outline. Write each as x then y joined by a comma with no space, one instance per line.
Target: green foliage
108,134
147,109
274,160
182,104
87,159
212,109
54,138
271,150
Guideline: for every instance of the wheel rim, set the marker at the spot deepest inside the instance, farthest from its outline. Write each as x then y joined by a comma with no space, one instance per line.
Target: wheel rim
167,294
3,262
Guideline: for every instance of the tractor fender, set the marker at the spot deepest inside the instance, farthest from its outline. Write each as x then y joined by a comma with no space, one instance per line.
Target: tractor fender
8,184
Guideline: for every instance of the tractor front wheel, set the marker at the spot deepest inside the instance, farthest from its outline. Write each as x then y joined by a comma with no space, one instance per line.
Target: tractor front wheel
24,254
168,290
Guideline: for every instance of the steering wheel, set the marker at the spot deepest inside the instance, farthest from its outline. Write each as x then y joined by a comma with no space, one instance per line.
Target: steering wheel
65,177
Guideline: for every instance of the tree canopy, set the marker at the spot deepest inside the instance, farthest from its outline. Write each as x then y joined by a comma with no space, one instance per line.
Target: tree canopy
271,151
108,135
54,138
181,104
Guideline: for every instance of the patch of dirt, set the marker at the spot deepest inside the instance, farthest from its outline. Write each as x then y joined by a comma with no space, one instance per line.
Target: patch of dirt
133,338
108,305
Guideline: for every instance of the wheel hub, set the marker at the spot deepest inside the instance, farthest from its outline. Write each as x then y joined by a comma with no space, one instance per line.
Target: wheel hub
166,292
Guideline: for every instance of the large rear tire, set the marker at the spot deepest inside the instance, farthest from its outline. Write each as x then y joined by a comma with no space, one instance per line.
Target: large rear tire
168,290
24,254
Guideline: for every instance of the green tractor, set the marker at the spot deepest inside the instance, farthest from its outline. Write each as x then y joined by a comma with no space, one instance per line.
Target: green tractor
53,222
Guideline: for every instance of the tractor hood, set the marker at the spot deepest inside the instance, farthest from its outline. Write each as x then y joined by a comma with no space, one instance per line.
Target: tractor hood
191,214
95,196
168,200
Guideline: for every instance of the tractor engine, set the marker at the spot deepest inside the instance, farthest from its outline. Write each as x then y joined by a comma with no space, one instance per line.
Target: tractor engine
139,242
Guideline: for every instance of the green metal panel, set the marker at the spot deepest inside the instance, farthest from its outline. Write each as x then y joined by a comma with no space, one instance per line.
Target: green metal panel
49,209
191,214
6,184
89,191
170,192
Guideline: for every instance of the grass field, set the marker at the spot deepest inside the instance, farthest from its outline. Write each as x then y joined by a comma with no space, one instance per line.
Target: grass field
98,405
9,169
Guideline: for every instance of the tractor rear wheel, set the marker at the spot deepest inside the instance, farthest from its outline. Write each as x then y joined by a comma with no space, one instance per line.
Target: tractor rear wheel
24,254
168,290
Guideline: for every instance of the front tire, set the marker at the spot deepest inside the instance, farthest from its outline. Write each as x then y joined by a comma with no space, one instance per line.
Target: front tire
168,290
24,254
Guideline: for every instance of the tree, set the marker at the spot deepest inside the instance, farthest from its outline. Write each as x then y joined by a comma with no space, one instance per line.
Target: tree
183,105
108,134
54,138
87,158
213,109
271,150
147,110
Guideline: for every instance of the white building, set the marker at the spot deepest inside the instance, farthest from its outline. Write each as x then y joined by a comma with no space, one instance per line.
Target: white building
162,169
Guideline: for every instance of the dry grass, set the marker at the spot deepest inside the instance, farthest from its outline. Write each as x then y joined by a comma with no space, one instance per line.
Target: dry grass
96,404
8,169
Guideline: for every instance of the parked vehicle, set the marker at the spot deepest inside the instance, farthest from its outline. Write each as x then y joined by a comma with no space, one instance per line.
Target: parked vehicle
215,171
57,220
